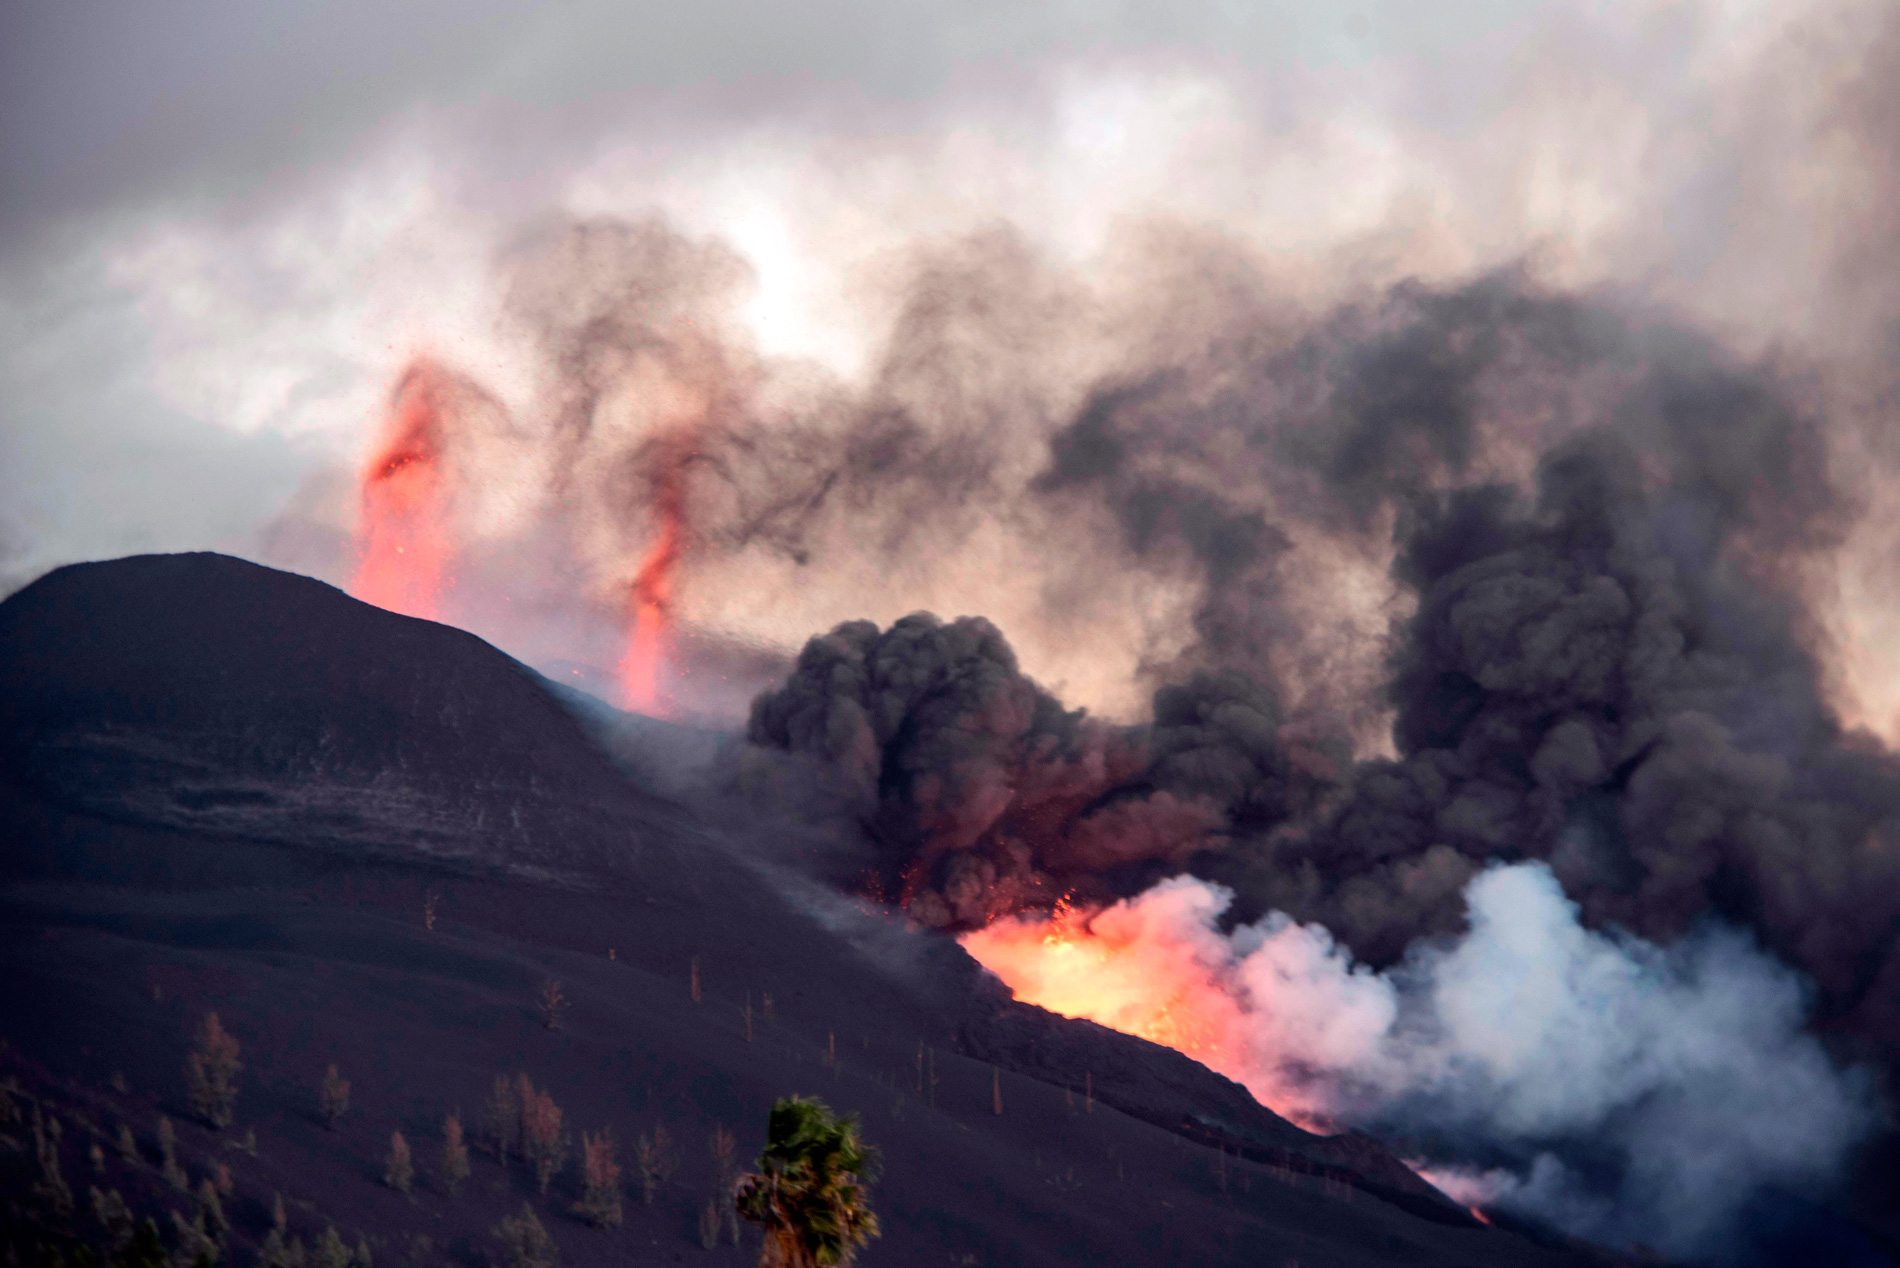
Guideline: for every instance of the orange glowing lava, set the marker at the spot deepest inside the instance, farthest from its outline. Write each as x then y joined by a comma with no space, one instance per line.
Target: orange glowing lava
1275,1006
1116,967
650,600
402,535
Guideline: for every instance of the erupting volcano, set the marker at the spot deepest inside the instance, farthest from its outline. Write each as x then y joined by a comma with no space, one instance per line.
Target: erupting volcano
1294,585
402,535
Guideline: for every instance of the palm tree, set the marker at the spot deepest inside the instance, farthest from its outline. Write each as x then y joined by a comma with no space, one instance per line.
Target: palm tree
805,1195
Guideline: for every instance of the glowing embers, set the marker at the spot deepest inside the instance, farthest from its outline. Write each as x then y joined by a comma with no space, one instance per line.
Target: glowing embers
650,598
402,534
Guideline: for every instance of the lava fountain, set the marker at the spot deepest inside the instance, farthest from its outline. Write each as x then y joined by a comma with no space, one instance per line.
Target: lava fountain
402,532
650,597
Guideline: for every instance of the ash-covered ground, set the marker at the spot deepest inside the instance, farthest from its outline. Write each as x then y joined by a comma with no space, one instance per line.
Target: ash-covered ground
370,841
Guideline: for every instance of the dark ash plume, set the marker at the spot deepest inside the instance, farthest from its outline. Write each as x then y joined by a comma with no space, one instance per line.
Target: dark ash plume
981,794
1603,533
1606,529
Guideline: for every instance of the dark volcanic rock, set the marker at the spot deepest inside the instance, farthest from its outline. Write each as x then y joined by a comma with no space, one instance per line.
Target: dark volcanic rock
209,694
1161,1086
228,788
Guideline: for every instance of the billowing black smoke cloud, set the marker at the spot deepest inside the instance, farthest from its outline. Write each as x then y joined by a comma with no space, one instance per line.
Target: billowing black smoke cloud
1604,532
1609,675
1596,538
1607,526
982,795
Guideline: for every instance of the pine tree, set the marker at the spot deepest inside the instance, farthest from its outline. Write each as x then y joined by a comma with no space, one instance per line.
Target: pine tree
726,1175
527,1242
553,1004
112,1214
399,1169
211,1210
454,1155
504,1117
333,1097
168,1155
50,1188
600,1171
276,1251
211,1071
806,1196
146,1249
196,1246
543,1140
331,1252
657,1161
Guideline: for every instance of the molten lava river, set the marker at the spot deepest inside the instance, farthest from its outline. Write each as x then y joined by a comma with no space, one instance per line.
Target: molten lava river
1267,1015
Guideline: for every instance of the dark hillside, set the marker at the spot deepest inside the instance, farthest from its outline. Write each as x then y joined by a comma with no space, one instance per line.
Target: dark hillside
206,693
371,841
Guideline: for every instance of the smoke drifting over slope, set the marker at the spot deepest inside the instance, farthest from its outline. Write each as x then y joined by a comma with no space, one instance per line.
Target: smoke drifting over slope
1617,1088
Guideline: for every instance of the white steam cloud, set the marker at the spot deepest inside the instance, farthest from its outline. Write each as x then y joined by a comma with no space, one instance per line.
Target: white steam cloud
1618,1089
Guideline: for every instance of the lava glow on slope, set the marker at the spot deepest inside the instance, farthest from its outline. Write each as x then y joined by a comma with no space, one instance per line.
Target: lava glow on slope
402,535
1276,1006
1107,968
1140,967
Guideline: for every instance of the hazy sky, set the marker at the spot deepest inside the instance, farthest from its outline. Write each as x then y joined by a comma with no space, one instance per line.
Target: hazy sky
224,225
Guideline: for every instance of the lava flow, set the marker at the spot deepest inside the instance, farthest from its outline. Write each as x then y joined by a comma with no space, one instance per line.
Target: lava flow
1276,1006
650,600
1119,967
402,535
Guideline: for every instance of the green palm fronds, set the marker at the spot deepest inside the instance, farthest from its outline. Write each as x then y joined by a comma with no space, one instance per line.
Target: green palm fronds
807,1195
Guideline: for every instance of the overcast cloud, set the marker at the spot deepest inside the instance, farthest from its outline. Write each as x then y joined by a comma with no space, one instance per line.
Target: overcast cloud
224,226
